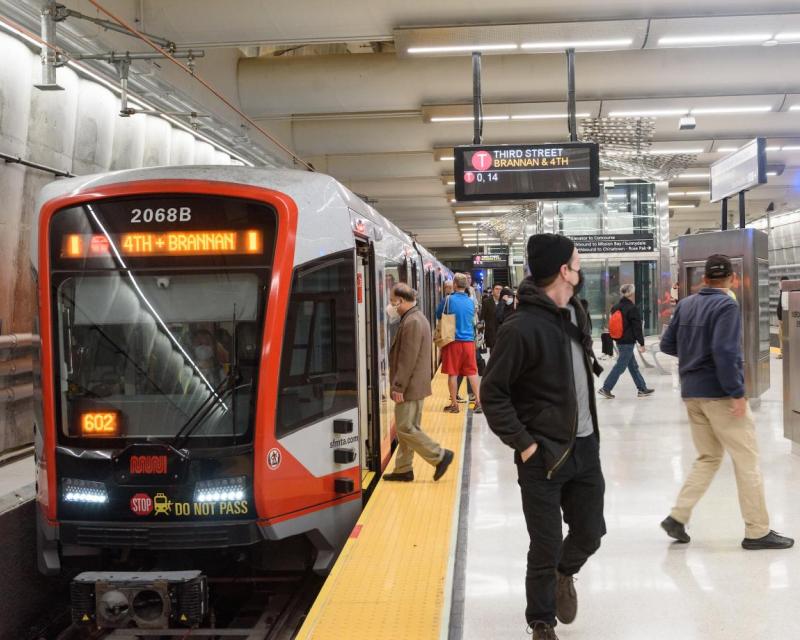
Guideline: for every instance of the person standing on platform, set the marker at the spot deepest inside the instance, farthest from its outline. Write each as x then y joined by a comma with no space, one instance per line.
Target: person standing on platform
458,357
505,308
410,371
780,319
706,335
631,335
538,395
489,315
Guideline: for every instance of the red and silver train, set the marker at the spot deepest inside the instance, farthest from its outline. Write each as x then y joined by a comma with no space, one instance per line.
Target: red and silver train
214,370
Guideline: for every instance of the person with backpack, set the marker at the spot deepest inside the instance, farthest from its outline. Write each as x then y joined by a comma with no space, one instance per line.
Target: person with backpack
625,327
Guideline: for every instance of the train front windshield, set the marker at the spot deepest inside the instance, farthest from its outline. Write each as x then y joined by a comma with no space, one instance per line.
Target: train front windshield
158,309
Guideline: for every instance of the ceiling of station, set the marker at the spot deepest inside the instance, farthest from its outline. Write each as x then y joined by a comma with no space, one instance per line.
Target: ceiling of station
378,93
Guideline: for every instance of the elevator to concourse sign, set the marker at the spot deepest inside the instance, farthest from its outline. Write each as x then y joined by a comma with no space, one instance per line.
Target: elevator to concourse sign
527,172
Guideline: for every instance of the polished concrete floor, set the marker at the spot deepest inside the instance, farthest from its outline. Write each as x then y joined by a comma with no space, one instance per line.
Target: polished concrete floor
640,585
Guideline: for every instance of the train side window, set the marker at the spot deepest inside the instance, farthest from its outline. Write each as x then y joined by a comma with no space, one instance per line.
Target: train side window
318,366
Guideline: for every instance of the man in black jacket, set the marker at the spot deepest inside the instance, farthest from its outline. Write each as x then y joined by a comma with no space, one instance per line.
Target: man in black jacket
632,333
538,397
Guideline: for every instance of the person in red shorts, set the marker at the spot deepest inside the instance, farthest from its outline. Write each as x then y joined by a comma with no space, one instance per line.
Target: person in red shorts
458,357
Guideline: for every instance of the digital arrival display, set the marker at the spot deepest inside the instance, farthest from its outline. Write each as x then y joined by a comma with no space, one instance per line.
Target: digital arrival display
527,172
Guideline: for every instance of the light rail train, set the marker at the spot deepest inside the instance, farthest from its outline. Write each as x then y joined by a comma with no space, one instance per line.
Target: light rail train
213,376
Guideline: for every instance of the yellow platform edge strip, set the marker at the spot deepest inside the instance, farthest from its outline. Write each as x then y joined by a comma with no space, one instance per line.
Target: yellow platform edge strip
330,617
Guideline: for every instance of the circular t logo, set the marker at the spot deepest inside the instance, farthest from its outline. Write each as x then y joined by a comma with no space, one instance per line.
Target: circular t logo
469,177
481,160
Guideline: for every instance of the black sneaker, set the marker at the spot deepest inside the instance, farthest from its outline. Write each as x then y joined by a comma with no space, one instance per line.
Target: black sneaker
443,464
542,631
408,476
472,397
460,399
566,598
477,409
772,540
606,394
675,529
643,393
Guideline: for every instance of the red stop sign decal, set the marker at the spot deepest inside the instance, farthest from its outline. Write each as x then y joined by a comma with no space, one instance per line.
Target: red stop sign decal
141,504
481,160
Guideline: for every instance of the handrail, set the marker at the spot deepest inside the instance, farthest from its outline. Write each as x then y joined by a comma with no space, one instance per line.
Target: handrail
17,340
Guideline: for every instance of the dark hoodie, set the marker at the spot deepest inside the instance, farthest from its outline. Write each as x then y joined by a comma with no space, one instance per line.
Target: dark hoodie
528,390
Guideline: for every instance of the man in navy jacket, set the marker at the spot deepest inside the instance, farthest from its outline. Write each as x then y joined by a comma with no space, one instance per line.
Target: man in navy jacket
706,334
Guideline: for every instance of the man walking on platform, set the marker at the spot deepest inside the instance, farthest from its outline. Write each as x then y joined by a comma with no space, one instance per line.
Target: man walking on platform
706,334
538,396
631,334
489,315
410,371
459,357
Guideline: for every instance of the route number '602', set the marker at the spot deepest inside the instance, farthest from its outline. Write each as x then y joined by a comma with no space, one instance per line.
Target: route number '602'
162,214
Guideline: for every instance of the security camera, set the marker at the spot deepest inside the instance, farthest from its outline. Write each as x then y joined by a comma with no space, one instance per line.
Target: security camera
687,123
162,282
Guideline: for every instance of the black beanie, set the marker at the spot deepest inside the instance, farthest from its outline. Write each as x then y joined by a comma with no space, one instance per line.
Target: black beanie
547,252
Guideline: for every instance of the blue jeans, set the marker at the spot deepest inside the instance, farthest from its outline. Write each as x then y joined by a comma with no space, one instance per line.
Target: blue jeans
626,360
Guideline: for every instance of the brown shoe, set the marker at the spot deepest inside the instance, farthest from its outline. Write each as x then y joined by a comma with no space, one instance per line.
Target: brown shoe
566,598
452,408
542,631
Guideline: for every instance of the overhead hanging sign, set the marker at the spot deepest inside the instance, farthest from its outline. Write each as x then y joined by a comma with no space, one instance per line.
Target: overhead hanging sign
490,261
742,169
527,171
615,243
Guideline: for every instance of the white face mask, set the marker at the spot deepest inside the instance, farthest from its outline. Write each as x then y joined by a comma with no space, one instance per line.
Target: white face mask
509,300
203,352
393,313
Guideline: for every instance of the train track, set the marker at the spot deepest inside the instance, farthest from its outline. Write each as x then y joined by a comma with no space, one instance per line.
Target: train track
274,610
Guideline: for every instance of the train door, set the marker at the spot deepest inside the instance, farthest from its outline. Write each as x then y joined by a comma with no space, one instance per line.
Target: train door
368,368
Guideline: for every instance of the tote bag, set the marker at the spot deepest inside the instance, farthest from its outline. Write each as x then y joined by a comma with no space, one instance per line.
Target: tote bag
445,327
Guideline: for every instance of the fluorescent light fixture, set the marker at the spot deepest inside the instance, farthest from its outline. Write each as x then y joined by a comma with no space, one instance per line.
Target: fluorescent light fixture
773,148
447,159
451,183
472,221
772,173
699,111
453,200
466,118
578,44
682,206
462,212
648,113
795,107
696,193
672,194
466,48
727,149
667,152
729,38
546,116
788,37
790,147
694,175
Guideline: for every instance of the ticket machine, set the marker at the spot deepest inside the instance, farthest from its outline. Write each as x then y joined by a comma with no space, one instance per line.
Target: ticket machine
748,251
790,336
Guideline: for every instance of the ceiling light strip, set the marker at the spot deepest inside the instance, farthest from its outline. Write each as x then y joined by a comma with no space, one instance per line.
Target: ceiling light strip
466,48
728,38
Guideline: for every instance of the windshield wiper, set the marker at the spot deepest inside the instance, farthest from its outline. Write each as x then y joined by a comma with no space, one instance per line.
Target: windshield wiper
204,410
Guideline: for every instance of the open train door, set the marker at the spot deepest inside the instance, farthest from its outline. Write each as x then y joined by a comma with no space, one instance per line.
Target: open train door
368,368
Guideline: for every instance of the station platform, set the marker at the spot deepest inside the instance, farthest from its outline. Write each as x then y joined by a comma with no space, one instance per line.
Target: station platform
396,577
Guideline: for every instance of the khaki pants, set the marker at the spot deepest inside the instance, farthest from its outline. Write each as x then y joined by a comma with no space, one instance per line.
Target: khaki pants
715,431
408,416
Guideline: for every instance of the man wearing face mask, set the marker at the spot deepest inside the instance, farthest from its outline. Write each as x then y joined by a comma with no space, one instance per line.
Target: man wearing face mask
505,308
410,371
538,396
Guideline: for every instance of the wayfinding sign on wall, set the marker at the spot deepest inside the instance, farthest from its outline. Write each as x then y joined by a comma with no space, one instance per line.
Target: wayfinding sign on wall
615,243
742,169
527,171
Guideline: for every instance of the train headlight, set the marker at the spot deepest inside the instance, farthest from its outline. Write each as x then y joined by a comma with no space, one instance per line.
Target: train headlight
221,490
83,491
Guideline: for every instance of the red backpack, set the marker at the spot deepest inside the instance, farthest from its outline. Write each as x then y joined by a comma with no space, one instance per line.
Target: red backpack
616,325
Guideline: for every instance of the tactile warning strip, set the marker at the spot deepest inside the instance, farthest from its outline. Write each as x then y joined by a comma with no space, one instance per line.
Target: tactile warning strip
392,577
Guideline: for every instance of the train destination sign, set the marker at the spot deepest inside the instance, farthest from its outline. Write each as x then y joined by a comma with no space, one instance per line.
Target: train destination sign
167,243
527,172
615,243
